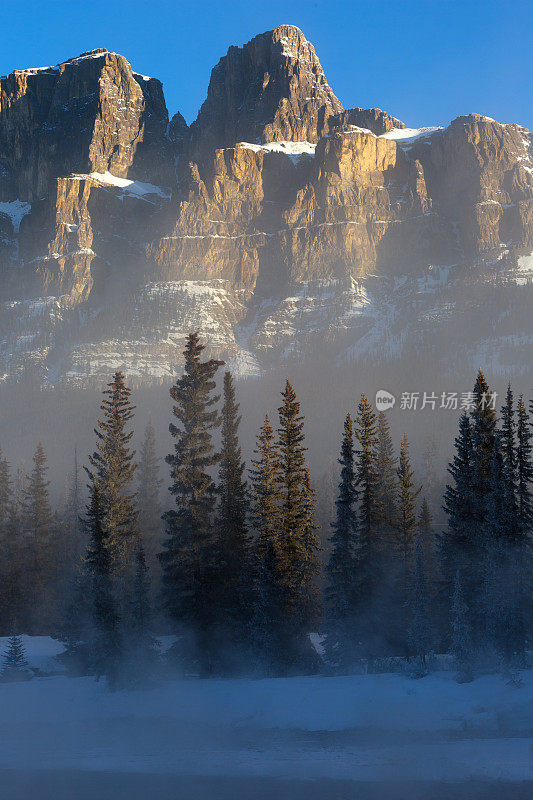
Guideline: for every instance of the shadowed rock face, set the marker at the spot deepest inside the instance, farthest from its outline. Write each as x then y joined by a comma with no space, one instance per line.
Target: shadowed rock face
273,184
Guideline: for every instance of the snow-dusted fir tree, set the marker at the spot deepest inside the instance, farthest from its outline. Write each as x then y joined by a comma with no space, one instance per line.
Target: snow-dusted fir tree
15,665
343,561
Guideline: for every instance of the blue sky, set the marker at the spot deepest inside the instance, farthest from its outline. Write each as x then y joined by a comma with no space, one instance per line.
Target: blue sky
425,61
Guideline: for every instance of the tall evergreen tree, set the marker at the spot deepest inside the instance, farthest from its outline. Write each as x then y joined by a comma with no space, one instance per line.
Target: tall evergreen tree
405,533
16,557
112,464
343,561
508,447
105,648
524,468
269,615
503,602
41,536
141,644
148,497
483,437
265,494
189,561
234,558
309,565
406,523
458,546
368,607
386,468
294,542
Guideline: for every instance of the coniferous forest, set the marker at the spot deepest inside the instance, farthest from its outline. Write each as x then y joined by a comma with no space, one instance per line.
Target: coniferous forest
229,567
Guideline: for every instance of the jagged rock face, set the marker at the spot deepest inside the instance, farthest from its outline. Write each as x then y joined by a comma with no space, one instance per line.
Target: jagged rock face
274,188
374,119
89,114
272,89
480,175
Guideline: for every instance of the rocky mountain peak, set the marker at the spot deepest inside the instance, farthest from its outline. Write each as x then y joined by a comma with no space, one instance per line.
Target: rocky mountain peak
271,89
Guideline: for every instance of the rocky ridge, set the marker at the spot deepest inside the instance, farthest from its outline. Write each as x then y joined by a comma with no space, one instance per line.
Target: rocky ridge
274,190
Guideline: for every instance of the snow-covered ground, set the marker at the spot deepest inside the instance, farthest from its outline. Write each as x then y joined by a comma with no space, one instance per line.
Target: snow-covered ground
357,728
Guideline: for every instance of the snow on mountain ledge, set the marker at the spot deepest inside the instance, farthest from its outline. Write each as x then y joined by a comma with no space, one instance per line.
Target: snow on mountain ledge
15,210
294,150
138,188
406,136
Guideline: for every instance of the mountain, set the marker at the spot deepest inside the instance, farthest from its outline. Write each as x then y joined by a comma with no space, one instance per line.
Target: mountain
279,224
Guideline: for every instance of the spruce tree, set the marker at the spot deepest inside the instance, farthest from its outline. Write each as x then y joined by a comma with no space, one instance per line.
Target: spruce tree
368,604
524,468
296,539
189,560
269,615
16,558
386,467
264,491
458,546
405,533
15,665
503,602
142,646
483,437
343,560
105,647
309,565
41,537
233,544
508,446
112,465
148,497
406,524
72,539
